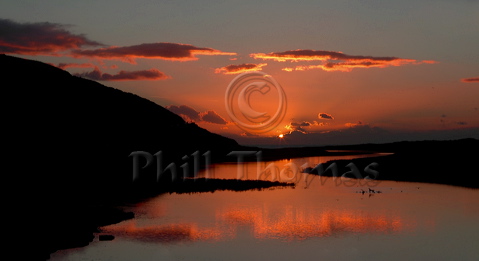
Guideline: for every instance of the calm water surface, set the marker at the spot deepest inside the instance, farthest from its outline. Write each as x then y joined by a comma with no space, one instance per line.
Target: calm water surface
325,220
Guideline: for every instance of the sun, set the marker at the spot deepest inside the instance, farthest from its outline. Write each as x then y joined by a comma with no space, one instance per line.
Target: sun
280,136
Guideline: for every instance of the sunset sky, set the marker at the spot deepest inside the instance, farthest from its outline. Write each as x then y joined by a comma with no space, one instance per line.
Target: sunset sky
352,71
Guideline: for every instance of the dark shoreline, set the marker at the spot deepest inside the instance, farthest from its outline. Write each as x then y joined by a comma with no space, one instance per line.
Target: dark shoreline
447,162
439,162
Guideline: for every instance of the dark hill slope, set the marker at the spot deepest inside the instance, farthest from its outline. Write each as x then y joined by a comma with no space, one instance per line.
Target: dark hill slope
70,130
67,142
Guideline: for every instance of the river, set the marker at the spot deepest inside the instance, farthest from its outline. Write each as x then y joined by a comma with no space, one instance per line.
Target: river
321,218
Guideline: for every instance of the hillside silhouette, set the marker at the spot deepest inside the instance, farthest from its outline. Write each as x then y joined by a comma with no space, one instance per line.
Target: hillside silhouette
81,131
68,141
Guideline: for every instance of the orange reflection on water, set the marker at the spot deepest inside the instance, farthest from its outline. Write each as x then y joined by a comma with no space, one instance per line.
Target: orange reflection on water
299,225
169,233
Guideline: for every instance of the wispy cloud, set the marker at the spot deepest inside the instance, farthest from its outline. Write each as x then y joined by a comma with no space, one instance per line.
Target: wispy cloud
97,75
74,65
316,55
39,38
334,61
164,51
475,79
240,68
348,66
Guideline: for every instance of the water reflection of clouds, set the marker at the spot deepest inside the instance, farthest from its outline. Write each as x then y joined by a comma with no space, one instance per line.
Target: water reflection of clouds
300,225
170,233
287,225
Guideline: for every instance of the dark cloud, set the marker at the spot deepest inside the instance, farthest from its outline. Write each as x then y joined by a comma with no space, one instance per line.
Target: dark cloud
76,65
461,123
240,68
165,51
475,79
190,114
39,38
299,126
97,75
325,116
213,117
183,110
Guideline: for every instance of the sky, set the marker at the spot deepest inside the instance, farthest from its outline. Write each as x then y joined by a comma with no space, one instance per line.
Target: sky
349,72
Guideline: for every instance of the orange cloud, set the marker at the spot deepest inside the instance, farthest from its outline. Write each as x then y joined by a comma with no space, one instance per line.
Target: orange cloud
240,68
352,125
97,75
325,116
39,38
348,66
333,61
316,55
164,51
296,55
475,79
